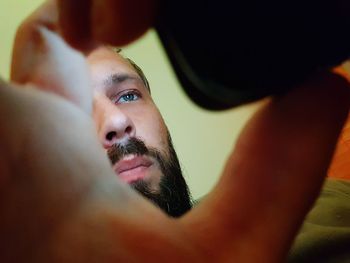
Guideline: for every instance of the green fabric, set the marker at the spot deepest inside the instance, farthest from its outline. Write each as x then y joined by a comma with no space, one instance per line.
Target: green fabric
325,234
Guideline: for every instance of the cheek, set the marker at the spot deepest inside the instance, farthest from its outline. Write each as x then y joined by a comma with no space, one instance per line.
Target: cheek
98,114
151,128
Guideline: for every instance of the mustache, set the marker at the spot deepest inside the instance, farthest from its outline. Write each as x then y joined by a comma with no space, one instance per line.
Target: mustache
133,146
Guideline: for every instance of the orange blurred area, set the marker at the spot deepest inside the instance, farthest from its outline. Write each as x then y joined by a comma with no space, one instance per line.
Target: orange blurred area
340,166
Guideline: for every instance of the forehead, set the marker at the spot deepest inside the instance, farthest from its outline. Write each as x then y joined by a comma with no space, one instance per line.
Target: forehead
104,62
105,53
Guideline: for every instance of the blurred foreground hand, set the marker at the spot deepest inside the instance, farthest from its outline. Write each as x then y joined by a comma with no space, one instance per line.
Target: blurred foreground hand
61,202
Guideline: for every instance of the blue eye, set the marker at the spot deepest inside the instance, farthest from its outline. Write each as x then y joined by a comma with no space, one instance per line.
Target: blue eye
128,97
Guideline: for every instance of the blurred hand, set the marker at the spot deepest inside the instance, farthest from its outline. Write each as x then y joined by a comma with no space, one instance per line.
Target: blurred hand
117,22
60,200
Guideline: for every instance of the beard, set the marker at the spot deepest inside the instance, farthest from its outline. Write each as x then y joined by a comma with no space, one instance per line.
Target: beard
173,196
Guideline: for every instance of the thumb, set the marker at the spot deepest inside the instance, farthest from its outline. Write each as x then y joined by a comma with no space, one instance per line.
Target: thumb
41,57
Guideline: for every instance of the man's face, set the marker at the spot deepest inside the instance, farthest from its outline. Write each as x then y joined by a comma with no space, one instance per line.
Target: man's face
134,134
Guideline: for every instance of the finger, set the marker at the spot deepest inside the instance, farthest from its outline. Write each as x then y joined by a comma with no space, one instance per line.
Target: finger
120,22
42,58
4,160
45,16
117,22
74,22
275,173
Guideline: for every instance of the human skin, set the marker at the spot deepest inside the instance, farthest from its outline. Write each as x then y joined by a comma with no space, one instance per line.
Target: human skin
112,114
111,16
142,118
74,210
120,22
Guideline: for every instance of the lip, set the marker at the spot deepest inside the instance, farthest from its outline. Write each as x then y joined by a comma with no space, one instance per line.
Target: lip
132,168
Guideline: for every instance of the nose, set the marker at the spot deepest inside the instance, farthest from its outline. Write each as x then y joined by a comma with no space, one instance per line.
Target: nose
113,124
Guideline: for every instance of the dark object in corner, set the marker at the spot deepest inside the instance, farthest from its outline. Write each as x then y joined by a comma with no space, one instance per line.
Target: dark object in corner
226,53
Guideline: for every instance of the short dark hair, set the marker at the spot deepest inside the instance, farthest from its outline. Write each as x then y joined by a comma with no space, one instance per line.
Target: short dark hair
136,67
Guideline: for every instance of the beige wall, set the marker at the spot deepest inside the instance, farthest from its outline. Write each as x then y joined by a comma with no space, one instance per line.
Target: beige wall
202,139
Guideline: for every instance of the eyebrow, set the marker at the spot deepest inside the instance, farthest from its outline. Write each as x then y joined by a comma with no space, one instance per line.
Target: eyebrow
116,78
